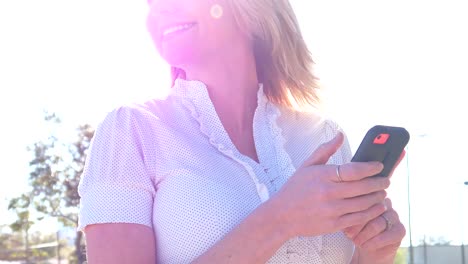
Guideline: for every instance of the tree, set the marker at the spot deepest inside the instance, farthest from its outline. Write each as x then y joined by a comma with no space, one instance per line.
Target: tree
9,243
56,168
13,246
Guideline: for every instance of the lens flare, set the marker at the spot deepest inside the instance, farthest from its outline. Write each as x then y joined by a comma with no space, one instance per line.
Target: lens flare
216,11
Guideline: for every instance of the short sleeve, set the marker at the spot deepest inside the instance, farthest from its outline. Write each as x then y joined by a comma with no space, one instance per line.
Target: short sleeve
116,186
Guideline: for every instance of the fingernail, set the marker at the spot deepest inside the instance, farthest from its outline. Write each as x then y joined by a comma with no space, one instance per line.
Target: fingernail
384,193
335,138
380,165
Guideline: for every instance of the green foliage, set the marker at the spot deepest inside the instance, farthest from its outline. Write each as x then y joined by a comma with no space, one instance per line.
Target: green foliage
23,222
21,207
13,248
56,167
401,256
8,242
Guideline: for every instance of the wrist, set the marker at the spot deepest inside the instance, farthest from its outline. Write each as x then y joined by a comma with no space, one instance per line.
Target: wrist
283,227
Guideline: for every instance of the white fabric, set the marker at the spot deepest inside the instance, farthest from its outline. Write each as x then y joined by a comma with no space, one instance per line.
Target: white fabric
169,164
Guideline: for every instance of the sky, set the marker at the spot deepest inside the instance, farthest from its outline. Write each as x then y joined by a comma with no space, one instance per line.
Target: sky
396,62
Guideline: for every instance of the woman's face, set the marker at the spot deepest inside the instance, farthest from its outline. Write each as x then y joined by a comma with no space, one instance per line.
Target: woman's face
189,32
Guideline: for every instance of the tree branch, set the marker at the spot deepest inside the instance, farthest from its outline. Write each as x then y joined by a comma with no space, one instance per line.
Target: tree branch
69,218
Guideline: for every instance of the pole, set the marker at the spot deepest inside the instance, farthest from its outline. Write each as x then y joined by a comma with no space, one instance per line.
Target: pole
463,242
425,250
58,247
411,251
463,253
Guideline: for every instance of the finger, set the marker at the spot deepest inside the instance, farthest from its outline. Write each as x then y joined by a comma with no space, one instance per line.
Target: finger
360,218
323,153
388,204
353,231
402,156
355,171
371,229
360,203
362,187
388,250
389,237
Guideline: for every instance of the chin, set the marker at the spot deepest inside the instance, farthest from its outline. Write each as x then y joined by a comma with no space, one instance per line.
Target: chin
180,56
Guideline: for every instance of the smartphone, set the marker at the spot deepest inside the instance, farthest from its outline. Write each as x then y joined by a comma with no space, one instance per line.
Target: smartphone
384,144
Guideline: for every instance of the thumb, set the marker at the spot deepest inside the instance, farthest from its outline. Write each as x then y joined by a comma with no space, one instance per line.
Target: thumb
323,153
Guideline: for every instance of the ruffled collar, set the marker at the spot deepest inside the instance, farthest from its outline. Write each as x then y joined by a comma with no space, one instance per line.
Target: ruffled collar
197,92
195,98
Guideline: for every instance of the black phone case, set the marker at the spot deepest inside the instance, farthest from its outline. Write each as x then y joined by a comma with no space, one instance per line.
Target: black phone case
387,152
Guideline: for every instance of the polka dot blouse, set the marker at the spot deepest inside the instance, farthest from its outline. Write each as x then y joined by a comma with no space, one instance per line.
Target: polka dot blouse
170,165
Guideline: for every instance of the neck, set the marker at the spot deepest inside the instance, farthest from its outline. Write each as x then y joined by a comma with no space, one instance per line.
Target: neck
232,84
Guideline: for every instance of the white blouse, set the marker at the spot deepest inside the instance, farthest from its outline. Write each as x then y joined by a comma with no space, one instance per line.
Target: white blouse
170,165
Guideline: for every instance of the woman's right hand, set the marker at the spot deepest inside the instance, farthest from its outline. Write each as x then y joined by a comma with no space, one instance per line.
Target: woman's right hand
315,201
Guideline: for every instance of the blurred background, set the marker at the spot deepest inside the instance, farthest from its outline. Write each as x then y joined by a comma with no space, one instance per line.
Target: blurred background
65,64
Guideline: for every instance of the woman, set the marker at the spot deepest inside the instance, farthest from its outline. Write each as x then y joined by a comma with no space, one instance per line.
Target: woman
226,169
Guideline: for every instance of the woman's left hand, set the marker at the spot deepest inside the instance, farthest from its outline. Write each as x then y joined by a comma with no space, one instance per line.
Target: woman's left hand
379,240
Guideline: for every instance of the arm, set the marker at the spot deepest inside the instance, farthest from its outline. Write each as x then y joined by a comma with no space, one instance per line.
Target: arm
120,243
116,187
255,240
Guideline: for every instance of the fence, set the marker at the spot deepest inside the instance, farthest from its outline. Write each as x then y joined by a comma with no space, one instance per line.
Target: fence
440,255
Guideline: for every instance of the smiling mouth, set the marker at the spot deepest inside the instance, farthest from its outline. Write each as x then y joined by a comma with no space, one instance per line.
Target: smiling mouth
170,31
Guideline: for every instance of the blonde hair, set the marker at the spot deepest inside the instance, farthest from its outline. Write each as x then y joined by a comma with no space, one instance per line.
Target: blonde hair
284,63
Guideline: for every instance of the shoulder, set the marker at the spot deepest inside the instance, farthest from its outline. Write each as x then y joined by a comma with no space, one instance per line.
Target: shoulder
315,124
147,115
305,131
139,112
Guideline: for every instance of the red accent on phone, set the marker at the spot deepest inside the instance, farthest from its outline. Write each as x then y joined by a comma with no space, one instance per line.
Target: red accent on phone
383,144
381,139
